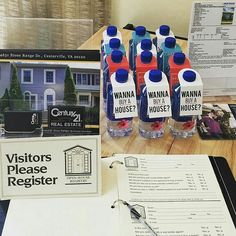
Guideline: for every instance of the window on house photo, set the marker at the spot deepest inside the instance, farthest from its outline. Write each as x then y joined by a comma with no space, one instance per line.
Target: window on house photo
49,76
93,79
27,76
86,79
49,98
81,79
31,99
97,79
77,78
84,100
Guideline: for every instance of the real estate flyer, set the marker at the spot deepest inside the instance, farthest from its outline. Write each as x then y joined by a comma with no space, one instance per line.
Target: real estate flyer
49,93
212,45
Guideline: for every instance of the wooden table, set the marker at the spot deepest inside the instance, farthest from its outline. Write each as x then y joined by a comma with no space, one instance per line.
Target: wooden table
167,144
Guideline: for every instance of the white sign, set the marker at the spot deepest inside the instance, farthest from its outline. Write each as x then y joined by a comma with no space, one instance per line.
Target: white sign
212,45
158,97
190,95
124,98
35,167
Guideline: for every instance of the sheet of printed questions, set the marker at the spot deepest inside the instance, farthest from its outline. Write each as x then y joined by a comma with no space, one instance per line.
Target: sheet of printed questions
177,196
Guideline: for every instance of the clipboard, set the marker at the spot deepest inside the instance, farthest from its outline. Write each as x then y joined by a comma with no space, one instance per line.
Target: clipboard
226,182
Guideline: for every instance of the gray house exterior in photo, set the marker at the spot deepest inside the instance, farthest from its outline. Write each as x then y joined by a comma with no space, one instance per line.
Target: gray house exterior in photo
42,84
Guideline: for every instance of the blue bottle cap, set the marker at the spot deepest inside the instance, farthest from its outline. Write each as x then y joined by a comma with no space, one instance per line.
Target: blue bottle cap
164,30
114,43
146,44
155,75
116,56
140,30
189,76
179,58
111,30
146,56
122,75
170,42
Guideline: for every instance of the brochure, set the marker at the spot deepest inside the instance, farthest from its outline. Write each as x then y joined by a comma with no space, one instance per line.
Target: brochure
218,121
212,45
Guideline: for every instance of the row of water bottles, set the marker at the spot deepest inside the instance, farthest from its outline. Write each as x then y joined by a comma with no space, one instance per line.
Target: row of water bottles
153,65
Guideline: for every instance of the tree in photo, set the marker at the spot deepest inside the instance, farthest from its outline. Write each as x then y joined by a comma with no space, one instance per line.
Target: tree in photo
15,94
15,89
4,101
70,97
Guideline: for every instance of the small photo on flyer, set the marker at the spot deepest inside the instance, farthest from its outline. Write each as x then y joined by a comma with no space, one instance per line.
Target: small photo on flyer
228,14
218,121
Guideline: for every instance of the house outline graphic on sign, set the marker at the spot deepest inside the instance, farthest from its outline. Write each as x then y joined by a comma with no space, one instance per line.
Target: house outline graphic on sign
78,161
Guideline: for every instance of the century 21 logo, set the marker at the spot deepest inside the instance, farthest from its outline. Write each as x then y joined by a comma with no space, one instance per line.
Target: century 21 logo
55,112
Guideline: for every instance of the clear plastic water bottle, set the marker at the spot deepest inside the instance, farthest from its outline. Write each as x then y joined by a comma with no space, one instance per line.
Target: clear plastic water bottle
168,48
116,60
162,33
146,44
117,127
177,62
144,62
138,35
110,32
150,127
182,126
114,44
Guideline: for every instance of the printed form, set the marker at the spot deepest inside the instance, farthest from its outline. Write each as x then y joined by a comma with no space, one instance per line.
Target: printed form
212,45
176,195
